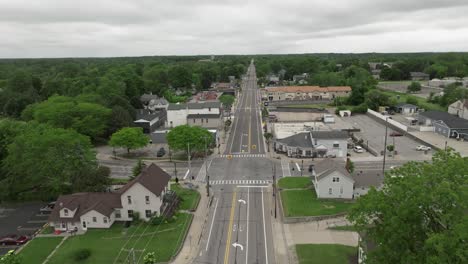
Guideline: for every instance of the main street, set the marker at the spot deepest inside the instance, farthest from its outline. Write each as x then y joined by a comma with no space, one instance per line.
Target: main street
238,227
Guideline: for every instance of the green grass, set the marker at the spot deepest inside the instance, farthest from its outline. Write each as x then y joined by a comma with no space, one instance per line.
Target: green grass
105,244
422,103
294,183
119,181
38,249
189,197
343,228
305,203
324,253
47,230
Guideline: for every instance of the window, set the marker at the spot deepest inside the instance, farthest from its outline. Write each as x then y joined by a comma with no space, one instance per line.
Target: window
130,213
117,214
147,200
206,120
329,190
336,145
129,199
194,121
94,219
341,189
148,213
209,109
65,212
336,179
104,220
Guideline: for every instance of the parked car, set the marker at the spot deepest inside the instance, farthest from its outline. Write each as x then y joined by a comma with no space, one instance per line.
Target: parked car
358,149
396,134
161,152
13,240
47,209
423,148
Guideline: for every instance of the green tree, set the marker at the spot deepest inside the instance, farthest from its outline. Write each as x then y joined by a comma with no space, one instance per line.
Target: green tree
268,136
180,77
376,98
414,87
43,162
180,136
138,168
227,100
129,138
119,118
150,258
419,215
412,100
60,111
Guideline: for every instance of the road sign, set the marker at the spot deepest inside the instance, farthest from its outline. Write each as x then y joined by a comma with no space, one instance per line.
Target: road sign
254,146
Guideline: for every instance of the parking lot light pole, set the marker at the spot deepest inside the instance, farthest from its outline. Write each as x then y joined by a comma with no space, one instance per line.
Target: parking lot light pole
385,147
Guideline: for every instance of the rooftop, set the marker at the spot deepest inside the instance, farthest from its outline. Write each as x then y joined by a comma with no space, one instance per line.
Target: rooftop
200,105
451,121
335,134
298,140
308,89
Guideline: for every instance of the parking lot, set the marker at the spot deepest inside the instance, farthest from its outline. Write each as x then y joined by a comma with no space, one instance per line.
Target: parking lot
373,133
20,219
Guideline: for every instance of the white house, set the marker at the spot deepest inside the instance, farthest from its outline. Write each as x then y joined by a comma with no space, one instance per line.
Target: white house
143,195
459,108
177,113
332,180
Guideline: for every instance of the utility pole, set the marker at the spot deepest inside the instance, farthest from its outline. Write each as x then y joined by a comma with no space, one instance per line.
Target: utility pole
385,146
189,160
302,166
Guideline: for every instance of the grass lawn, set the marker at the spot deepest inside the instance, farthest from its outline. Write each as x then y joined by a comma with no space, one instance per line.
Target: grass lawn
324,253
343,228
189,197
38,249
294,183
305,203
422,103
105,244
47,230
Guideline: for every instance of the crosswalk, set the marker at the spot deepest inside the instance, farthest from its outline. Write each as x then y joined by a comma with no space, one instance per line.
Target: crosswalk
243,156
240,182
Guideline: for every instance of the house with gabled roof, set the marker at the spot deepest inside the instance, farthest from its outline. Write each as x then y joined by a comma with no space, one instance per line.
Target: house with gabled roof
332,180
142,195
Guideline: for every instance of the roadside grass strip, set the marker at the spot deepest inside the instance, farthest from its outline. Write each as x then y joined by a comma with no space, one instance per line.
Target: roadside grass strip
294,183
305,203
325,253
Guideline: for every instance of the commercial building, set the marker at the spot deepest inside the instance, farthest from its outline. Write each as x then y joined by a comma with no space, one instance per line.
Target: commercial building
302,93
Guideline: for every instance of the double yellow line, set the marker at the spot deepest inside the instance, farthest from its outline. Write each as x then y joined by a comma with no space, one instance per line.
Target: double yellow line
231,219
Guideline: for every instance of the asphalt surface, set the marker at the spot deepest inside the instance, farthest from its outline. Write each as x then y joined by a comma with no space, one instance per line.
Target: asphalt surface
238,227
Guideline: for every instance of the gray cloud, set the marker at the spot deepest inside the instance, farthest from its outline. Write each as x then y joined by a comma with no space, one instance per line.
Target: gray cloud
60,28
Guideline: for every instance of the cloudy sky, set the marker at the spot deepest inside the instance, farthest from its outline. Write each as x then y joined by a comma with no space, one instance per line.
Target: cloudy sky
77,28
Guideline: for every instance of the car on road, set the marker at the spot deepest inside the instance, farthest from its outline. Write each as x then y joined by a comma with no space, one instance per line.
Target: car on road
358,149
161,152
423,148
47,209
13,240
396,134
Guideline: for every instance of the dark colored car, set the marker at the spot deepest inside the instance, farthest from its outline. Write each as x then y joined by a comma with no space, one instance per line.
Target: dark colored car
13,240
396,134
161,152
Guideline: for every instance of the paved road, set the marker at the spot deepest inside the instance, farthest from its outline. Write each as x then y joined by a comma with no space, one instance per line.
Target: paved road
238,227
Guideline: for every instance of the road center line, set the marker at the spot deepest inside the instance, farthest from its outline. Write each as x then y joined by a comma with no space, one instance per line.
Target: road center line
211,227
231,219
264,230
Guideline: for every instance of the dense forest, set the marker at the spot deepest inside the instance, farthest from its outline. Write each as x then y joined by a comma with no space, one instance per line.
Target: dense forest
54,110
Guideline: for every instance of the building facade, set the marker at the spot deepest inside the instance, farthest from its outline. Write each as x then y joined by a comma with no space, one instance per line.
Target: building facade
177,113
459,108
314,144
301,93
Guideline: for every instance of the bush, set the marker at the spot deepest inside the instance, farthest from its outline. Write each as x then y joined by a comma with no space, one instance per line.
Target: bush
82,254
362,108
412,100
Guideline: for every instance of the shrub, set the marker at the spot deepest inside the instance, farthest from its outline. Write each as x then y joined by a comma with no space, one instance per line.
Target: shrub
82,254
412,100
362,108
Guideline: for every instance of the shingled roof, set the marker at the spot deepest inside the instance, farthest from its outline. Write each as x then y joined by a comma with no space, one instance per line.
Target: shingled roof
328,166
298,140
152,178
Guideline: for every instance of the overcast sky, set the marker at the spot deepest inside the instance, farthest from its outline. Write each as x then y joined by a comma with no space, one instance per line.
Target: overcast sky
77,28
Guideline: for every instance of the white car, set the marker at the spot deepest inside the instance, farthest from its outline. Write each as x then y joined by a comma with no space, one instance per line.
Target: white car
358,149
423,148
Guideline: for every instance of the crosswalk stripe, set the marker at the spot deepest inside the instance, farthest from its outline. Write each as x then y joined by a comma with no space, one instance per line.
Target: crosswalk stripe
239,182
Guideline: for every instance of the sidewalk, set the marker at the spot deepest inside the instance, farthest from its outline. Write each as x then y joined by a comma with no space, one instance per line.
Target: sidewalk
191,245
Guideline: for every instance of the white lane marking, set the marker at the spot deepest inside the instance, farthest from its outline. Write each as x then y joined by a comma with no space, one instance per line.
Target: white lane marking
298,168
242,201
247,240
252,186
264,230
285,168
186,174
211,227
235,244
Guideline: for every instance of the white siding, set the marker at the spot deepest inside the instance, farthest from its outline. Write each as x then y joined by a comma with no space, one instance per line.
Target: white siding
71,213
344,183
339,151
177,117
137,193
88,218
